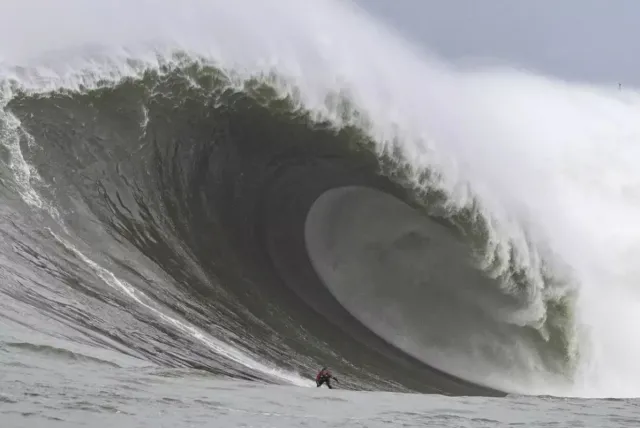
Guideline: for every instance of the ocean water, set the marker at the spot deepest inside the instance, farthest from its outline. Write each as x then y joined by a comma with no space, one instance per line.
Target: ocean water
41,391
204,203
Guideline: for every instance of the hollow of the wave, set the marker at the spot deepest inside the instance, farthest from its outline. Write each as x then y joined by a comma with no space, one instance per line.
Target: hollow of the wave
214,190
265,205
412,282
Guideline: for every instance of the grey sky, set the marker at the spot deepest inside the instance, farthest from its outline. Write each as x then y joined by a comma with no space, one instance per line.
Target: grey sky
586,40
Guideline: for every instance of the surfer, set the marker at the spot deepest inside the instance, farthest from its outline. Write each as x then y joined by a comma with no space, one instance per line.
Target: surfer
325,376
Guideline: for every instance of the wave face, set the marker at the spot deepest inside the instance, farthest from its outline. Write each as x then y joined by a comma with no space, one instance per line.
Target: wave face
196,191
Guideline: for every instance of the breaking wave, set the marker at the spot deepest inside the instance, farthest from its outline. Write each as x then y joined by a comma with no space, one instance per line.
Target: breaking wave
315,209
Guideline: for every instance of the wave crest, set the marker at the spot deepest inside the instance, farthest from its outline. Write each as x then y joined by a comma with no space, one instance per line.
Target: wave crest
208,177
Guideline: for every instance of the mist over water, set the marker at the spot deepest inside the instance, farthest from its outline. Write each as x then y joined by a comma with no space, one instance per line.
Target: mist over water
550,167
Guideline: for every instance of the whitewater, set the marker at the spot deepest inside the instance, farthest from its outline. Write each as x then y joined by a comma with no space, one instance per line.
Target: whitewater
204,202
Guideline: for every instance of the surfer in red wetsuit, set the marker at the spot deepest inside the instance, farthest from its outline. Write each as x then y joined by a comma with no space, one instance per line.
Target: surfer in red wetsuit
324,376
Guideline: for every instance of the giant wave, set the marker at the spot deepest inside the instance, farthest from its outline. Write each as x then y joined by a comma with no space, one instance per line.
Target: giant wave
259,204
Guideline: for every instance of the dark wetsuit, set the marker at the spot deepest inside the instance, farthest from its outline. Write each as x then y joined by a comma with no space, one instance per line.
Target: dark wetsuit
324,376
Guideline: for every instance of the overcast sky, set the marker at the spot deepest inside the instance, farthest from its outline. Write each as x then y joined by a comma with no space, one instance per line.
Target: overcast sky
586,40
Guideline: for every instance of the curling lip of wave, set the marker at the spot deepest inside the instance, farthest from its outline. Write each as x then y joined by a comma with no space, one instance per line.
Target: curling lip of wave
213,196
412,280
